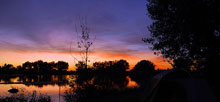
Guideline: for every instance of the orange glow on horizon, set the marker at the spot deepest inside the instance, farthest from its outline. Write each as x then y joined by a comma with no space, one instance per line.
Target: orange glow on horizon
17,58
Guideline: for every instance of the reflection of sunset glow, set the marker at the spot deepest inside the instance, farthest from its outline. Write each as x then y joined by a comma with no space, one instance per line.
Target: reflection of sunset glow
50,90
16,79
17,58
131,83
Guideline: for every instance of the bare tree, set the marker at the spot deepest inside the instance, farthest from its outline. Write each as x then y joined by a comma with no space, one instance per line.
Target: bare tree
84,41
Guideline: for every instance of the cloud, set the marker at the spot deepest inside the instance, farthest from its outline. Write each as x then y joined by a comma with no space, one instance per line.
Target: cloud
49,26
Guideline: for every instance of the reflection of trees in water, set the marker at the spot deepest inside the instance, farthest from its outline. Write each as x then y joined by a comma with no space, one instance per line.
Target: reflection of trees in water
102,81
7,79
84,86
91,86
110,82
44,80
37,80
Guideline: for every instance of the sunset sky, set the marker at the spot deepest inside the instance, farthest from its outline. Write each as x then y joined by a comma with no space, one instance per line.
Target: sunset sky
43,29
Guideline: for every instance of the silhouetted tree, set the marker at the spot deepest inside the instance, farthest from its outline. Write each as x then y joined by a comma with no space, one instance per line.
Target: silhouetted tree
186,29
37,67
62,66
144,66
19,69
40,66
182,63
121,66
27,65
98,65
52,65
84,42
80,66
7,68
111,66
104,66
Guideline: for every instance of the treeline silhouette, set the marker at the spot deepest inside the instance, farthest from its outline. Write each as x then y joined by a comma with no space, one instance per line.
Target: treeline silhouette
117,66
37,67
61,67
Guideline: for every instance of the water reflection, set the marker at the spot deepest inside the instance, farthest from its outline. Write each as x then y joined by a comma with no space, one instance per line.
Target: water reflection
72,80
56,85
36,80
131,83
90,87
102,81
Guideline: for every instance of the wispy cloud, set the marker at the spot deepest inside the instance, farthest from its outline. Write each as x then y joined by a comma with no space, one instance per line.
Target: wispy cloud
49,27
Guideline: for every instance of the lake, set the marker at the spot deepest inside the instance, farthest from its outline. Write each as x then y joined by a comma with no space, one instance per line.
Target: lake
56,85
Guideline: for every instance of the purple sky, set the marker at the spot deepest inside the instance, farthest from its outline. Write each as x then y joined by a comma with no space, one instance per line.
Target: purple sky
49,25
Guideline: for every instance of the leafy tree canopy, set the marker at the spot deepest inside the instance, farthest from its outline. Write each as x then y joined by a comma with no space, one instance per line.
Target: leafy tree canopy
144,66
186,29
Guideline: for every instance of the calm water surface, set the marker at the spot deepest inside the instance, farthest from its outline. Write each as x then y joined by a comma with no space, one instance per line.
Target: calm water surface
55,86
